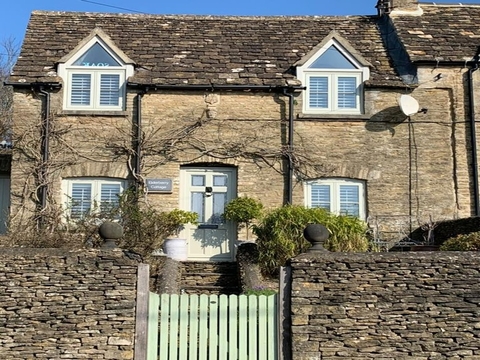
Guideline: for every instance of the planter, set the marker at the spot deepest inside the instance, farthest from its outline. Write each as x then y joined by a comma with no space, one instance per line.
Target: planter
175,248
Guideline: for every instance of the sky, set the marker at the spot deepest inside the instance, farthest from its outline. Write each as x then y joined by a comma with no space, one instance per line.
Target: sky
15,15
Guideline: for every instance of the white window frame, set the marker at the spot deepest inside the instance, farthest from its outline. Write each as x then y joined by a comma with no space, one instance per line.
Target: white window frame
304,73
334,184
96,184
67,69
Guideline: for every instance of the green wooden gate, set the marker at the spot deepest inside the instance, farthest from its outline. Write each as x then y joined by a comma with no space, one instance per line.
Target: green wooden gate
201,327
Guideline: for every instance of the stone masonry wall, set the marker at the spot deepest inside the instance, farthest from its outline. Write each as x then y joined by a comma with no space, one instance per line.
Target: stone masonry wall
59,304
414,169
386,306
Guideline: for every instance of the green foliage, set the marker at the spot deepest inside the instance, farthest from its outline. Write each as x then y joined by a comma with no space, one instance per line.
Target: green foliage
243,210
280,234
464,242
144,227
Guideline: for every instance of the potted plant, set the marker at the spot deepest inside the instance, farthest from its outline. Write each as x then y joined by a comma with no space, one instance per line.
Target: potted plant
243,210
174,222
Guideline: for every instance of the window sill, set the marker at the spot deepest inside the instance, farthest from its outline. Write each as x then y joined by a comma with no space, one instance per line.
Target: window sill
93,113
334,117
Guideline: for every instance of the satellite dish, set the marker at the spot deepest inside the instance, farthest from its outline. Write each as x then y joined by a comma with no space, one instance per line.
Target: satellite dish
408,105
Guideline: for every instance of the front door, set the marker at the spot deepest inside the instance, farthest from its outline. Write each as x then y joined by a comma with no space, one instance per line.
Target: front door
4,202
206,191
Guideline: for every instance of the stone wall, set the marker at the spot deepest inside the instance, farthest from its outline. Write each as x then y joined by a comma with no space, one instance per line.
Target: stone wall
386,306
403,161
59,304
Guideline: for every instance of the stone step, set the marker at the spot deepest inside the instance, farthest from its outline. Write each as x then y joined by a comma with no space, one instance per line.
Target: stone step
209,278
210,290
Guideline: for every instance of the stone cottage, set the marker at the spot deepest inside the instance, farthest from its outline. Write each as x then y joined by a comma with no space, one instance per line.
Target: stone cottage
198,110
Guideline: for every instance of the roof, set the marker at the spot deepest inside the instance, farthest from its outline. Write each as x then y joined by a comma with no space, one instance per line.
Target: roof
443,33
199,50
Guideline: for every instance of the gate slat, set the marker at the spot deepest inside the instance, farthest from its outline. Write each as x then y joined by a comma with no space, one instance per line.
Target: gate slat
233,328
152,332
223,327
262,327
272,322
174,317
252,326
164,321
242,327
203,328
183,330
213,328
193,334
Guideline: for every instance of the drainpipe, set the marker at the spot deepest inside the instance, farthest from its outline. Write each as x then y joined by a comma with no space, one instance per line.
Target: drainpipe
45,145
290,146
473,137
138,138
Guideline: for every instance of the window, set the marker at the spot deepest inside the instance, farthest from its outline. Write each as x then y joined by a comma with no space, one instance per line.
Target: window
339,196
334,80
94,78
91,195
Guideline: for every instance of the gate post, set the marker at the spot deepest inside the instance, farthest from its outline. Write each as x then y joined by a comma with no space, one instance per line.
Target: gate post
284,314
141,315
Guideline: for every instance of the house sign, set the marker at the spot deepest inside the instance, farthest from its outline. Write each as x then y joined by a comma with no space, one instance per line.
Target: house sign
159,185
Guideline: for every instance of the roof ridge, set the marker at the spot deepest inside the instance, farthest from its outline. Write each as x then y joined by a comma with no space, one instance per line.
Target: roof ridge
459,4
203,17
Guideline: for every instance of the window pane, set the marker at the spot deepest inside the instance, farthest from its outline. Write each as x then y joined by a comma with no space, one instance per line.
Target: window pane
198,205
96,56
220,180
318,92
198,180
320,196
347,92
81,200
219,201
332,59
109,89
349,200
81,87
109,196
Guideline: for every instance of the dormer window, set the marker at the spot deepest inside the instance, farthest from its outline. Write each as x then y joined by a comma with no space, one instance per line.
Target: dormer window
95,77
334,80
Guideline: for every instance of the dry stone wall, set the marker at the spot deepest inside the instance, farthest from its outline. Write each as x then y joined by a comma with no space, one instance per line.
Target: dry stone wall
59,304
386,306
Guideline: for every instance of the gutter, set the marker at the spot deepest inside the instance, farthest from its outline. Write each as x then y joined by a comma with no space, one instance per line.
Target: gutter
45,146
34,85
213,87
473,138
290,147
138,139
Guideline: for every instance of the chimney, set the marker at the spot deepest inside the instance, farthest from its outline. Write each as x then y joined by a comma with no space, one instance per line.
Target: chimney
387,6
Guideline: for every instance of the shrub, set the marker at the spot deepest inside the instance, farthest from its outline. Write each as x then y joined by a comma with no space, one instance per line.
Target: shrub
280,234
144,227
464,242
243,210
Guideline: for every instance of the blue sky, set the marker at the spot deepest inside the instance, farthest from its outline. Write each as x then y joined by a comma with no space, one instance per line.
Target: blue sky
15,15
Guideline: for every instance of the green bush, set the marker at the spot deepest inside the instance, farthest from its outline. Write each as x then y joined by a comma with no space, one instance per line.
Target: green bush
243,210
280,234
464,242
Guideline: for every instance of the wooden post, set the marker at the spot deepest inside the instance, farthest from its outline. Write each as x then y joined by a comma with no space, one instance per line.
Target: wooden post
284,314
141,314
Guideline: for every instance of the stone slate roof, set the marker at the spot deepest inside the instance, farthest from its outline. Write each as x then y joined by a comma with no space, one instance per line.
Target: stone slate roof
183,50
442,32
